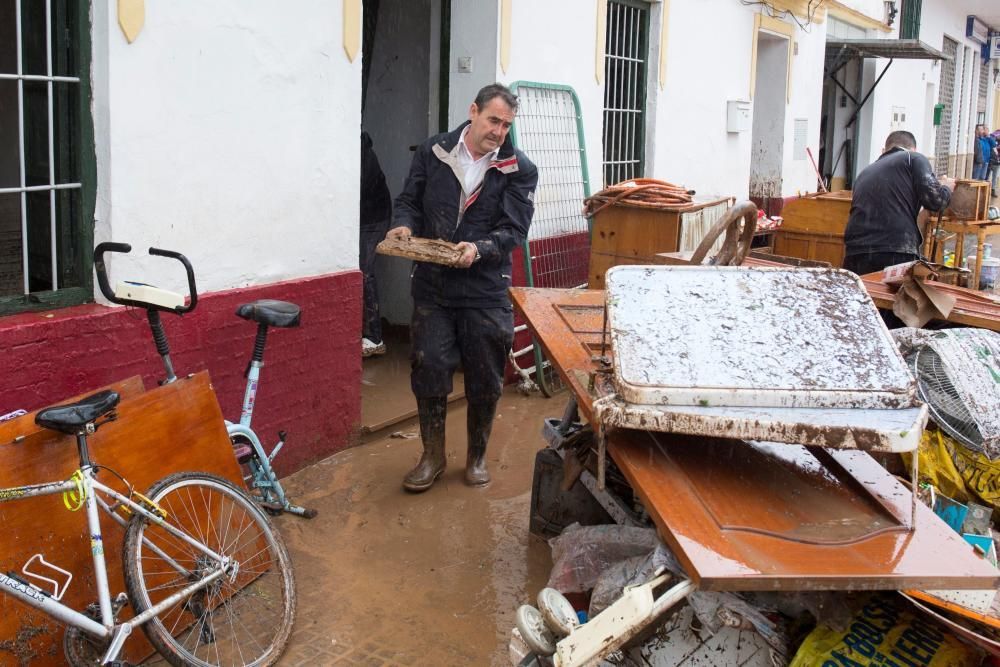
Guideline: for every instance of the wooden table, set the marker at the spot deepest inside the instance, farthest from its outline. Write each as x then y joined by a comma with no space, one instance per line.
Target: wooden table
960,228
757,516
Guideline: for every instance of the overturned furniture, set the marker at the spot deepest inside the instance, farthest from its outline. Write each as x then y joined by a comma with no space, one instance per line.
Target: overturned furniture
738,404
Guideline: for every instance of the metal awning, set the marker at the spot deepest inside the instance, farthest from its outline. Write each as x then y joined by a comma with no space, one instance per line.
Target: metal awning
839,52
909,49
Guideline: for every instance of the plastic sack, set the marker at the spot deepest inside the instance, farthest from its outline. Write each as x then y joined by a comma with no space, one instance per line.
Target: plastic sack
956,471
884,632
580,555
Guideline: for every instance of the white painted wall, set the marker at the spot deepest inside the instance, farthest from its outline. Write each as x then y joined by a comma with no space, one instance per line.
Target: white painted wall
546,48
474,30
229,131
693,146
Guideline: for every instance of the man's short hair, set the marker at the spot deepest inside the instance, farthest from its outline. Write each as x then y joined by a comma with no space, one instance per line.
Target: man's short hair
487,93
902,139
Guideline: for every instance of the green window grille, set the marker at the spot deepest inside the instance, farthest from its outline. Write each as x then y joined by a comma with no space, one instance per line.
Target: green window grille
47,163
909,25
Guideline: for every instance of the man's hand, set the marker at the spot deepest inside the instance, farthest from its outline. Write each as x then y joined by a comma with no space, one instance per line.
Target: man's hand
469,252
399,233
948,182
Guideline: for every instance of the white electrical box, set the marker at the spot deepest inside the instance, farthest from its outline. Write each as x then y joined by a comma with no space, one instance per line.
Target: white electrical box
737,116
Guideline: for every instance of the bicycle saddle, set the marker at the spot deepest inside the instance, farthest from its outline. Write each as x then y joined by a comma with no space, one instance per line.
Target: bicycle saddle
271,312
72,417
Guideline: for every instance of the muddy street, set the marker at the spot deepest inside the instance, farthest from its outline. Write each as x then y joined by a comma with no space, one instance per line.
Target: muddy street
391,578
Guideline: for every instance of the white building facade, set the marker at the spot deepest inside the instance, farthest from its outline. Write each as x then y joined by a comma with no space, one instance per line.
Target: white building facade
229,131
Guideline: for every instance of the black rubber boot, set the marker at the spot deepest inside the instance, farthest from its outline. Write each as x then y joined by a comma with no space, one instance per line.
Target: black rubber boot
432,412
479,425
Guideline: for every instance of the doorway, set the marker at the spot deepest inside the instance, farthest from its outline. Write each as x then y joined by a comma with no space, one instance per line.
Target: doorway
769,99
405,73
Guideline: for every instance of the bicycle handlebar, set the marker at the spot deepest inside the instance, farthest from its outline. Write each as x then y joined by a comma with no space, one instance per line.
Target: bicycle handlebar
125,248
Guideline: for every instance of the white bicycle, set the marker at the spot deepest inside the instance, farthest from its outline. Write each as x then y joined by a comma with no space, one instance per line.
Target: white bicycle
208,577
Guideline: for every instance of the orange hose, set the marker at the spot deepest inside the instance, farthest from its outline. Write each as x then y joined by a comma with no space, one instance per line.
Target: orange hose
641,193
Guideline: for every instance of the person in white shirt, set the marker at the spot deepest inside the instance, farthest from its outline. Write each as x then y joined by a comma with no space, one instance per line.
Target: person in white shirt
472,187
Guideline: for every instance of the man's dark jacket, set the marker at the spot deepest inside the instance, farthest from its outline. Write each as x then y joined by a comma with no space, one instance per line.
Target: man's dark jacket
887,197
495,217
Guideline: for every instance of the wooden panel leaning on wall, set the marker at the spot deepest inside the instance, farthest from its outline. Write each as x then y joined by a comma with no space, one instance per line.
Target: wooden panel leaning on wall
169,429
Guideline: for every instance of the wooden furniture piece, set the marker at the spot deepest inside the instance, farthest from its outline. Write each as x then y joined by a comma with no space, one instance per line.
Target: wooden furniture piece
969,201
813,227
973,308
172,428
745,516
960,228
624,234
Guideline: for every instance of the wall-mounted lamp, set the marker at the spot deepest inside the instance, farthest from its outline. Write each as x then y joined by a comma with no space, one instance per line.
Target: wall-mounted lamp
890,12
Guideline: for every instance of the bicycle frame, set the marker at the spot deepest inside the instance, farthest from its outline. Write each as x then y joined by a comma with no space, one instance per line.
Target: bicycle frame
34,597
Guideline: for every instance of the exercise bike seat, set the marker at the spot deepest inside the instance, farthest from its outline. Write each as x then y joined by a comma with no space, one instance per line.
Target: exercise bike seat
72,417
271,312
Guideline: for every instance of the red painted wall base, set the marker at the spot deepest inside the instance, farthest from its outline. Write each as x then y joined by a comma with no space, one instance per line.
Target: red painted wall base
310,383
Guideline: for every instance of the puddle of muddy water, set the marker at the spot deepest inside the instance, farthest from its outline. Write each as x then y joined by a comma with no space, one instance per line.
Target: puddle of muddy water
433,578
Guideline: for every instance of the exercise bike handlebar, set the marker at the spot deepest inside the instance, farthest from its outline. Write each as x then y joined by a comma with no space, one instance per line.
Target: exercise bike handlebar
125,248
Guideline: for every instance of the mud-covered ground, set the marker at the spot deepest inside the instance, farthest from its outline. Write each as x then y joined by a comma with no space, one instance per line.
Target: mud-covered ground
385,577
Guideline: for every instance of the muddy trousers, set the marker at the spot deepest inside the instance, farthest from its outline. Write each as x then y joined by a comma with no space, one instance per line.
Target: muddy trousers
371,323
479,338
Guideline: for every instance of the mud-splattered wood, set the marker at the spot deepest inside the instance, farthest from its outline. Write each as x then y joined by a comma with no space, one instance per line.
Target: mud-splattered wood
421,250
168,429
568,325
753,516
747,516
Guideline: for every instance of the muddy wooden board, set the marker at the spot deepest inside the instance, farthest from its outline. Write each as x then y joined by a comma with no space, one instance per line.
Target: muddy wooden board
744,516
758,516
568,325
168,429
435,251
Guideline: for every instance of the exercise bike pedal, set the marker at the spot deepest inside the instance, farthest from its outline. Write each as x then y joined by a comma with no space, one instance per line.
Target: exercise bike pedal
244,453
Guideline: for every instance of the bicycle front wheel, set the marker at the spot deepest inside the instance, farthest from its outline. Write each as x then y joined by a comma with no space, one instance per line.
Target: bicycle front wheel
243,618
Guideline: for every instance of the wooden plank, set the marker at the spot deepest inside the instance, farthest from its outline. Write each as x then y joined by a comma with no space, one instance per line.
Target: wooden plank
742,518
972,307
168,429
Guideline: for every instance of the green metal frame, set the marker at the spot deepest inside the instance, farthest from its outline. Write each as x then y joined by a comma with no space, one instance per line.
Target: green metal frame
71,296
540,362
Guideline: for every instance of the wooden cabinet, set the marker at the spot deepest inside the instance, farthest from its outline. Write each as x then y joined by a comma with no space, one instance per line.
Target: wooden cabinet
813,227
624,234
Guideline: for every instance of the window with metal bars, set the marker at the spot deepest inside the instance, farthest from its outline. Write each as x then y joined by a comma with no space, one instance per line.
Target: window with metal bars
909,24
625,63
47,164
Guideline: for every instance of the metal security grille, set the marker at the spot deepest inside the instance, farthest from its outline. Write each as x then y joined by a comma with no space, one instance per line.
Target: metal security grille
549,129
40,162
909,24
984,90
626,50
946,97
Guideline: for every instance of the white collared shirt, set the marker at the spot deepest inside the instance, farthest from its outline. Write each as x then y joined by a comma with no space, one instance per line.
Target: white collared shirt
473,170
